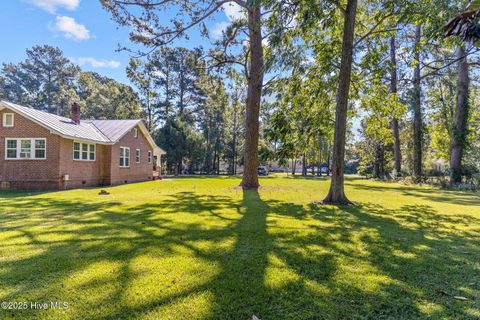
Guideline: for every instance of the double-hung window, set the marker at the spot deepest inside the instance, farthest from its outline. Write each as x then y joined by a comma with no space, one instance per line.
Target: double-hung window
40,149
137,156
124,157
25,148
83,151
149,154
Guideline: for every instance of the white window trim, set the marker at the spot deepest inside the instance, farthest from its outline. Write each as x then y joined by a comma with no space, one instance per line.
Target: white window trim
138,155
4,123
19,147
88,151
135,132
124,157
149,154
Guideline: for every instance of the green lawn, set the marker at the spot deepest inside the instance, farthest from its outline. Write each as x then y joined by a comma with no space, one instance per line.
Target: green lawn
201,248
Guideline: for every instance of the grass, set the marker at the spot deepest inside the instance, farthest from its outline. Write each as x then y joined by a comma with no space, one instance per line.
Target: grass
200,248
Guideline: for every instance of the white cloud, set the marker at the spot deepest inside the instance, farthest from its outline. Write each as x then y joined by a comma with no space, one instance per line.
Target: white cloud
233,11
52,5
71,29
218,29
95,63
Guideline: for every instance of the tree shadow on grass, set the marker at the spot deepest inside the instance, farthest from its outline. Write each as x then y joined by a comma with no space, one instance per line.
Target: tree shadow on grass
251,256
446,196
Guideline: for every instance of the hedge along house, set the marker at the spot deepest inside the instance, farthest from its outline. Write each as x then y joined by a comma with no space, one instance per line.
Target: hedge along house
39,150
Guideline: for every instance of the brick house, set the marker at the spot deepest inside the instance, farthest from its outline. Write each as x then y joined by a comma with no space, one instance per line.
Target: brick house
39,150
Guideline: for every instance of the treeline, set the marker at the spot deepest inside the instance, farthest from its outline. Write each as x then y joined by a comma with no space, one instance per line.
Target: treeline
194,114
384,62
412,92
286,79
187,109
48,81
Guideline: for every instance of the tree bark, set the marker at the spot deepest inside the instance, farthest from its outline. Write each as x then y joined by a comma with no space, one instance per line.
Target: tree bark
459,132
379,163
417,109
254,95
320,165
304,165
234,140
336,195
397,153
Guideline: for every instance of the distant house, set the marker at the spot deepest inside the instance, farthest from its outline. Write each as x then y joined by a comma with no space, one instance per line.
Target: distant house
39,150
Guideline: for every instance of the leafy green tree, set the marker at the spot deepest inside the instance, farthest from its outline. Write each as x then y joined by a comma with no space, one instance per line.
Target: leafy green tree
41,81
150,29
380,106
104,98
182,144
212,122
142,74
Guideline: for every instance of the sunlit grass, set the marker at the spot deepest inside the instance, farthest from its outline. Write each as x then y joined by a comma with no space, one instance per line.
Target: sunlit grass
201,248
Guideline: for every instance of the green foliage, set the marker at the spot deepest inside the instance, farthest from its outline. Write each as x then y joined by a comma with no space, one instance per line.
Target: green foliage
182,144
380,107
104,98
48,81
42,81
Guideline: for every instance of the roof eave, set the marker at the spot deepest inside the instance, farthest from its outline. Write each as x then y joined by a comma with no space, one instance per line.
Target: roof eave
53,131
145,132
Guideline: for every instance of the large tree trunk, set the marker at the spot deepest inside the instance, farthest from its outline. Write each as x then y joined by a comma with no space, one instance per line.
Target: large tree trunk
319,170
336,195
254,95
304,165
459,132
234,142
417,109
328,160
397,153
379,163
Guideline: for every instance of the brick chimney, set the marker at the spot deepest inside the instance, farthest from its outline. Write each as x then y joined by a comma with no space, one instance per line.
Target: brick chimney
75,113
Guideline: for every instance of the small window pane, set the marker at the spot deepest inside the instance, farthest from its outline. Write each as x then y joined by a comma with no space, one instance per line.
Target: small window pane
11,153
76,155
26,144
39,144
11,143
40,154
76,146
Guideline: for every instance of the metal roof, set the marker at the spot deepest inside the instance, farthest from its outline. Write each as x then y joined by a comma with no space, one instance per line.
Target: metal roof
114,130
97,131
60,125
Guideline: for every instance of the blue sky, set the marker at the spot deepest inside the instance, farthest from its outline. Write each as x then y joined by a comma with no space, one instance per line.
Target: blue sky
82,29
